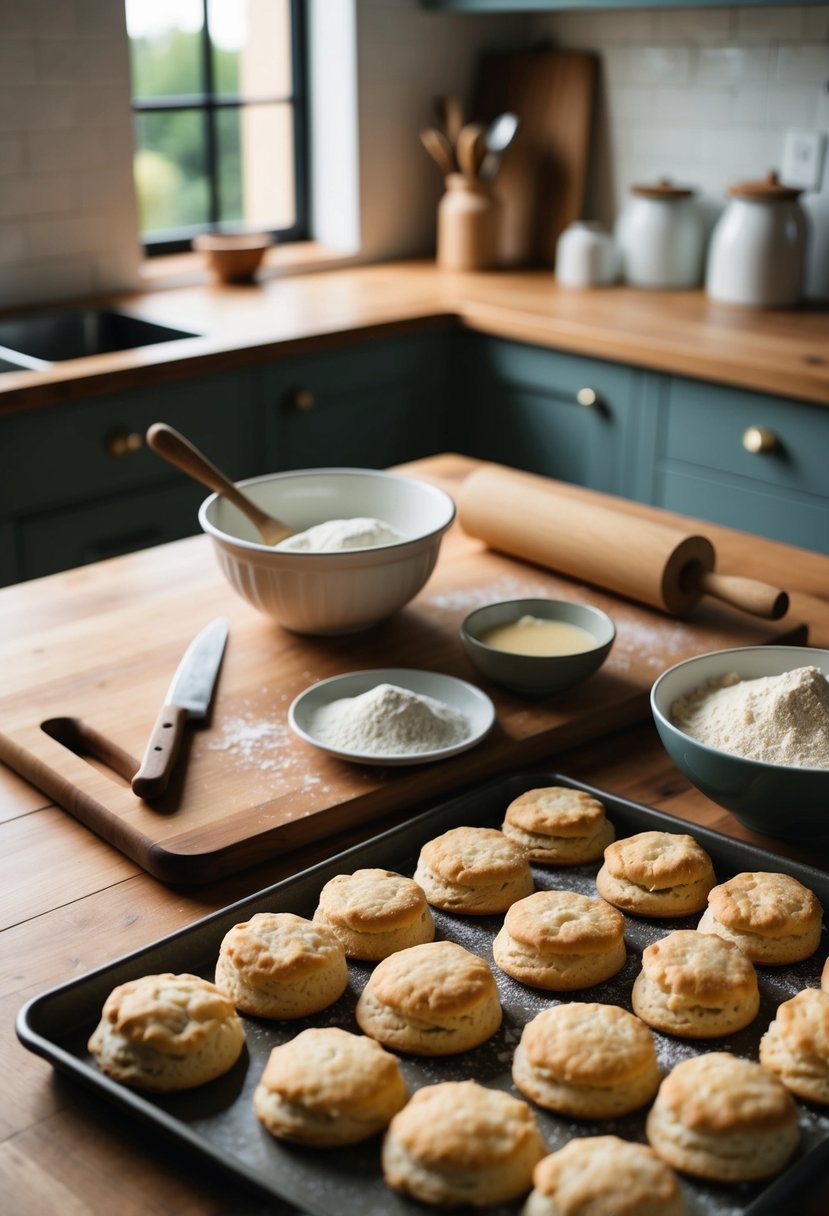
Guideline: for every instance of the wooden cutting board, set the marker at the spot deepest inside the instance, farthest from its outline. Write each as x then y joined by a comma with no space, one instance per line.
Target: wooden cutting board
543,174
246,788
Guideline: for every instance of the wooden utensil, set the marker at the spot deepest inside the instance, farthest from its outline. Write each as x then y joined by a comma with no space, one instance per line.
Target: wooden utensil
471,148
449,113
173,446
584,536
439,148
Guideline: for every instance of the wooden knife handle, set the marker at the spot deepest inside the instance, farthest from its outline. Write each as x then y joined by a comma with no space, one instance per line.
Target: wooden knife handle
153,776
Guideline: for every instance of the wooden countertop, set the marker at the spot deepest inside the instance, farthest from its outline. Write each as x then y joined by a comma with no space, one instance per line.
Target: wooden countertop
69,902
783,352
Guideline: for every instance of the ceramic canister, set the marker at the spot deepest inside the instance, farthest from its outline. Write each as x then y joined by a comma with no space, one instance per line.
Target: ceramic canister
758,248
661,237
586,256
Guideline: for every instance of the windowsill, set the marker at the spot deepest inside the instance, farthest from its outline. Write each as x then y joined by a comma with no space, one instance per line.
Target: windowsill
188,269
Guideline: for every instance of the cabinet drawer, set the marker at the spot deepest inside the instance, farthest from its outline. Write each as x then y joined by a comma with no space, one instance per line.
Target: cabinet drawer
802,520
73,453
107,528
558,375
706,424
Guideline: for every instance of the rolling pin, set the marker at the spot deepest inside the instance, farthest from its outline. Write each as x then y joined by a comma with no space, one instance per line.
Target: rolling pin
586,536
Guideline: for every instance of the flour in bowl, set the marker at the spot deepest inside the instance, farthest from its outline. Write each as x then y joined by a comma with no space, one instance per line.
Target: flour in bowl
389,721
336,535
777,719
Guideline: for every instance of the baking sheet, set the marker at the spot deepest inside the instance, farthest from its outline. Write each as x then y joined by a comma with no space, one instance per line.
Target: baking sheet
218,1121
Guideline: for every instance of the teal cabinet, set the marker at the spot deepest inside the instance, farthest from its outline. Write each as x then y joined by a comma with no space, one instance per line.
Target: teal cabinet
556,414
368,406
745,459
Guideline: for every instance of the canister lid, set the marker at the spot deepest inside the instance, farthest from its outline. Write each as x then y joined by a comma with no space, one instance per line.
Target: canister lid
664,188
770,189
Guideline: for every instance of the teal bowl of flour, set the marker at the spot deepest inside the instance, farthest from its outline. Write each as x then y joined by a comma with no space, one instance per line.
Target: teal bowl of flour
781,797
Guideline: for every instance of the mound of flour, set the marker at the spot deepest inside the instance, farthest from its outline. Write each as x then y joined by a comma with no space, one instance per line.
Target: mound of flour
779,719
389,721
337,534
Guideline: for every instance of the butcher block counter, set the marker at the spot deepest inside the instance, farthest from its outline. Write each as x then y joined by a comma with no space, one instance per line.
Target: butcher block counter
71,901
778,351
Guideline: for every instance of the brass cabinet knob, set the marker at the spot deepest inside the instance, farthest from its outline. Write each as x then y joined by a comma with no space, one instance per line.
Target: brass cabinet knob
759,440
302,400
123,443
588,397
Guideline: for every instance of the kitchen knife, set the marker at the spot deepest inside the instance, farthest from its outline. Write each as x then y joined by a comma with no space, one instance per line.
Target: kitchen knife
188,697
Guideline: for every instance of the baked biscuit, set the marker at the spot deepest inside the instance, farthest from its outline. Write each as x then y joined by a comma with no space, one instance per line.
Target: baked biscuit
166,1032
431,1000
586,1060
278,965
374,913
460,1143
561,941
723,1118
476,871
327,1087
656,874
772,917
604,1176
695,985
558,826
796,1045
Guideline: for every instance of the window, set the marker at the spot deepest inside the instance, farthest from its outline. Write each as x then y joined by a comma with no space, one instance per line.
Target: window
219,114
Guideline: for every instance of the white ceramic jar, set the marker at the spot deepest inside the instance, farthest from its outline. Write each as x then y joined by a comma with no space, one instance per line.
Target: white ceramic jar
586,256
757,254
661,237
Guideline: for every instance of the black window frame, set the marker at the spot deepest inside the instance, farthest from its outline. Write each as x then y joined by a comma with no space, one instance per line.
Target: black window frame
209,104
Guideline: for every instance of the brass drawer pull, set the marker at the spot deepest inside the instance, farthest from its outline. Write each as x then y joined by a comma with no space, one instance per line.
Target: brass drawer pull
123,443
759,440
588,397
301,401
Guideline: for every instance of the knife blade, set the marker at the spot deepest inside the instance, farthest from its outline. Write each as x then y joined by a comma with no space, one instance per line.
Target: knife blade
189,696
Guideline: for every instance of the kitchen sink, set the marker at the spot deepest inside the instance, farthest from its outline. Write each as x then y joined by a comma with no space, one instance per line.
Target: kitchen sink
38,339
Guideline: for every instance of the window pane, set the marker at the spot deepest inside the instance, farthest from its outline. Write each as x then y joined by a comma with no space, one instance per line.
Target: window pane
251,47
256,166
165,48
170,170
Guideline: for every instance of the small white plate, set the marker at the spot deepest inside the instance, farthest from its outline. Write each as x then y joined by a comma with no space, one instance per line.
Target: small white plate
475,704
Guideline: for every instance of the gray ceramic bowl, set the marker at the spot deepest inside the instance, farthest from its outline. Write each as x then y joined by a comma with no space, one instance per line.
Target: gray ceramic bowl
532,675
775,799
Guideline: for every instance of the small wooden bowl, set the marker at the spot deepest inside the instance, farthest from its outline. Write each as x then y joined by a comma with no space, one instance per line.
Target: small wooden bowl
233,259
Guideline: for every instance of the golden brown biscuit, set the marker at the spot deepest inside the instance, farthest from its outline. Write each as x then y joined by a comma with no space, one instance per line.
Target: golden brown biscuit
796,1045
656,874
558,826
604,1176
587,1060
720,1117
375,912
476,871
328,1086
561,941
430,1000
278,965
460,1143
166,1032
695,985
772,917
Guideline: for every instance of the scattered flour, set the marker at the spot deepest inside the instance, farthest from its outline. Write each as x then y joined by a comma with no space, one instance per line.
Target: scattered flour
778,719
267,747
335,535
389,721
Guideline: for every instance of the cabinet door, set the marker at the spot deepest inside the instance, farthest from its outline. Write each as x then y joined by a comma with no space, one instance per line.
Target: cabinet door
559,415
367,407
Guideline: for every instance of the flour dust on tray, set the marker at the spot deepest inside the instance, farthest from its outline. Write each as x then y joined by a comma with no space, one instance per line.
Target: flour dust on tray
390,721
337,535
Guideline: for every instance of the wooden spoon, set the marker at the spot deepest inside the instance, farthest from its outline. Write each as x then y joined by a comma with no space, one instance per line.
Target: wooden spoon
449,113
471,149
168,443
439,148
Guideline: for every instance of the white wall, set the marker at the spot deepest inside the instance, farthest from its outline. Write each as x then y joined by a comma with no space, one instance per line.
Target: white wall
705,95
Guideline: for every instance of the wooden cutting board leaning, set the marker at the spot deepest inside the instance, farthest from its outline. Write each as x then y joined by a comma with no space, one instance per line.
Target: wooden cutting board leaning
245,788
